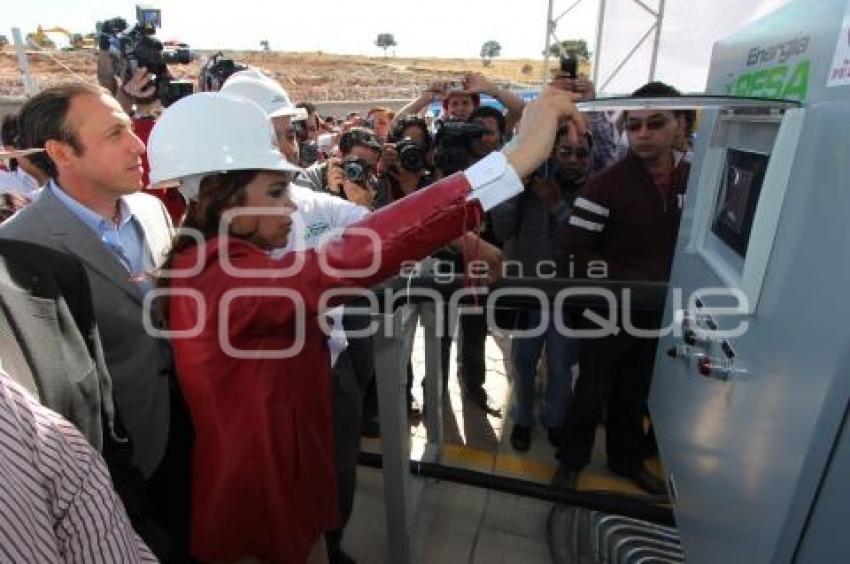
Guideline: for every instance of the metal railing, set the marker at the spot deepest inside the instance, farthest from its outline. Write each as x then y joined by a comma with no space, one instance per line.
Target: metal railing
403,492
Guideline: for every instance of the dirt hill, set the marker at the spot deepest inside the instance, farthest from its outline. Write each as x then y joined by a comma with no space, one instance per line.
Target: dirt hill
307,76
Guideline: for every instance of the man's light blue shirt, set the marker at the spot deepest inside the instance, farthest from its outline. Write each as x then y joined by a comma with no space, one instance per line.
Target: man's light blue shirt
125,240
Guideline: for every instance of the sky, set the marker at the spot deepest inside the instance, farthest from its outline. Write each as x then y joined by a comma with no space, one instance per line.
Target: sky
436,28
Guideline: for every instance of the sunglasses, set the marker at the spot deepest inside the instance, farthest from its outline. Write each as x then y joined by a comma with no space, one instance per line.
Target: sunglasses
653,123
566,152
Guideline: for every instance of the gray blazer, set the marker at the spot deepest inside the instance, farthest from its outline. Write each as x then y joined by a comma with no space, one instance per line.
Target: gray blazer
139,364
50,342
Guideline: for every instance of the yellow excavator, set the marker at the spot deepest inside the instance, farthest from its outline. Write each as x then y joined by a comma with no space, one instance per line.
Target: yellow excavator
39,39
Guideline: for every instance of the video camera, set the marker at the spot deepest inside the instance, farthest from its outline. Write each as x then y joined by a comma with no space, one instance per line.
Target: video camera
139,48
216,70
453,145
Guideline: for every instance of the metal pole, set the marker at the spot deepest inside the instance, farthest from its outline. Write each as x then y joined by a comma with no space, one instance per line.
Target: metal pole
433,325
629,56
645,508
659,19
544,74
597,52
568,10
30,88
391,376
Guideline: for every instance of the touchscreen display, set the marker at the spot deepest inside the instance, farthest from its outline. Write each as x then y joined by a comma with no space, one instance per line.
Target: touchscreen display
738,197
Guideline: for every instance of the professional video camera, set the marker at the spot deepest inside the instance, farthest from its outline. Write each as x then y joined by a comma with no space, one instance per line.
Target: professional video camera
453,145
139,48
216,70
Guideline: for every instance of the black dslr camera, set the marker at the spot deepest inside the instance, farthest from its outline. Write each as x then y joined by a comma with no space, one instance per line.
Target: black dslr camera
569,66
139,48
453,145
410,155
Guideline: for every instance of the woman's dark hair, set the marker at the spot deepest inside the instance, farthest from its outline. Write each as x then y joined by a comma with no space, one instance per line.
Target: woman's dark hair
217,193
397,132
44,118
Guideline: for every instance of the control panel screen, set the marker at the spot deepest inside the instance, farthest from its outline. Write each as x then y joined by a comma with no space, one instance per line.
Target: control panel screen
738,197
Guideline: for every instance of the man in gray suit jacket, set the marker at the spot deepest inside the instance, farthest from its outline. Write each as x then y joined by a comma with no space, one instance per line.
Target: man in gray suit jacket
92,208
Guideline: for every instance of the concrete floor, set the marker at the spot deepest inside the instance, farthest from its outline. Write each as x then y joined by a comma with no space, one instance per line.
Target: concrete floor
459,524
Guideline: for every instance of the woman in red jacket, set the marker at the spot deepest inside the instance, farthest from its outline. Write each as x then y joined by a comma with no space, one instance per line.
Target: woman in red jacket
249,351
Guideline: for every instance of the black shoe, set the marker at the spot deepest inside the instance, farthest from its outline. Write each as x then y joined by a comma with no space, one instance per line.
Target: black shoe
565,477
645,480
521,438
484,402
554,435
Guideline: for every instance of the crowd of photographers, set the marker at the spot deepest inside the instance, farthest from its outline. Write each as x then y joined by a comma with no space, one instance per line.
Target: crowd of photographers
608,196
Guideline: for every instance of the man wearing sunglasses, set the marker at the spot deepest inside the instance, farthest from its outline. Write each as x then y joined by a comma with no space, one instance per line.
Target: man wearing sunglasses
623,226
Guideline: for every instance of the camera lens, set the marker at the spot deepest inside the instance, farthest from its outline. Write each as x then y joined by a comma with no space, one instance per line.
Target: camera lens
354,171
411,156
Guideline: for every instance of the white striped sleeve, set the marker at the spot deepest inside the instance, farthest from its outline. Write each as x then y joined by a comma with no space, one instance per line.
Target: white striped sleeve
57,503
592,207
585,224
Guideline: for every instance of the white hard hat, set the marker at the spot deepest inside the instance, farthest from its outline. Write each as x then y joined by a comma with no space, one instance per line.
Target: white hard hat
265,92
212,132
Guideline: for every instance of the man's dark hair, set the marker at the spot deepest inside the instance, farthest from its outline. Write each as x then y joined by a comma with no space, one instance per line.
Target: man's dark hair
490,112
565,129
656,89
9,136
397,132
358,136
44,118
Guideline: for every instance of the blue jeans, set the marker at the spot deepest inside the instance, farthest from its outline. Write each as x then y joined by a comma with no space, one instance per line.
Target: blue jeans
561,354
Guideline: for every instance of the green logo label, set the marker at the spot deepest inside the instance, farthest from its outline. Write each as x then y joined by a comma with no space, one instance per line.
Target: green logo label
781,81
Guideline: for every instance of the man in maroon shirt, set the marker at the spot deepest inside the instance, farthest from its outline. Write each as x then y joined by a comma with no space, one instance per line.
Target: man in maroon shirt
624,227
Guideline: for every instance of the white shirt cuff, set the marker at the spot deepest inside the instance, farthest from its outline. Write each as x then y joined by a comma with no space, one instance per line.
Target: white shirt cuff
493,180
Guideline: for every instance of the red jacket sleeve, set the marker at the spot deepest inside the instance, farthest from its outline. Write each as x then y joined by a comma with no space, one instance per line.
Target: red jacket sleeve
409,229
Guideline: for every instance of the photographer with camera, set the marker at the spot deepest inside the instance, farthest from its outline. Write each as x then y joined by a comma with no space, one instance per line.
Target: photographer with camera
457,146
404,166
132,66
351,175
126,52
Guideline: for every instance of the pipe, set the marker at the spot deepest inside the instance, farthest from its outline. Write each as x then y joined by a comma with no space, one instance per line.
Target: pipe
598,501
